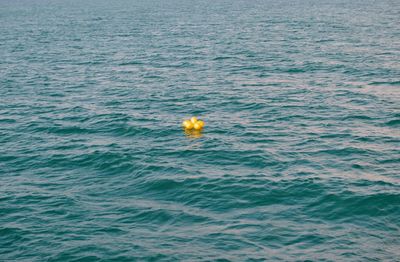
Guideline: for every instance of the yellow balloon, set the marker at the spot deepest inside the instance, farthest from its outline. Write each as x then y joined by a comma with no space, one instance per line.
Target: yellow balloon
185,123
193,119
201,123
197,126
189,125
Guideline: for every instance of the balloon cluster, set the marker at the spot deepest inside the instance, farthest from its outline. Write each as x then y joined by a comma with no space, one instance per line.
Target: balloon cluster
193,123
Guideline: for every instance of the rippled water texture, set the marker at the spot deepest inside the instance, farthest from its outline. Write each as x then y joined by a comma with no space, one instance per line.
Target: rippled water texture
300,158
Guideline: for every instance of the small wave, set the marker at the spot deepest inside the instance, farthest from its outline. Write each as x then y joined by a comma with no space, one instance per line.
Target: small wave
357,117
347,151
8,121
349,205
392,83
130,63
222,58
394,122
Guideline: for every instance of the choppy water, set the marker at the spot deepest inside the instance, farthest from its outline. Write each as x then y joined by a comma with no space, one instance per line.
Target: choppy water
299,160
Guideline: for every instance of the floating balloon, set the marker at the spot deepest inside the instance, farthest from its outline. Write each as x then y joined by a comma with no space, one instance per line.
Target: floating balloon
193,123
193,119
187,124
197,126
201,123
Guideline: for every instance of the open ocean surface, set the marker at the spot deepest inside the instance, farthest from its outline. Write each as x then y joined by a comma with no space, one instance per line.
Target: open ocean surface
299,159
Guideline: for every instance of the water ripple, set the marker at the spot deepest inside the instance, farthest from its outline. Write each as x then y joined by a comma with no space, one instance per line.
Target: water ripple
299,159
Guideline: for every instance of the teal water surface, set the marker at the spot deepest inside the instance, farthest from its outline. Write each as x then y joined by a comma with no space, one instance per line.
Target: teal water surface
299,160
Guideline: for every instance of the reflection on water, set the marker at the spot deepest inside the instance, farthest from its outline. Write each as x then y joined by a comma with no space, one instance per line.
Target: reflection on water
193,133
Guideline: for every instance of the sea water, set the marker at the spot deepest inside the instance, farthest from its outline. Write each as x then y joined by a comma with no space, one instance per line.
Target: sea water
299,159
